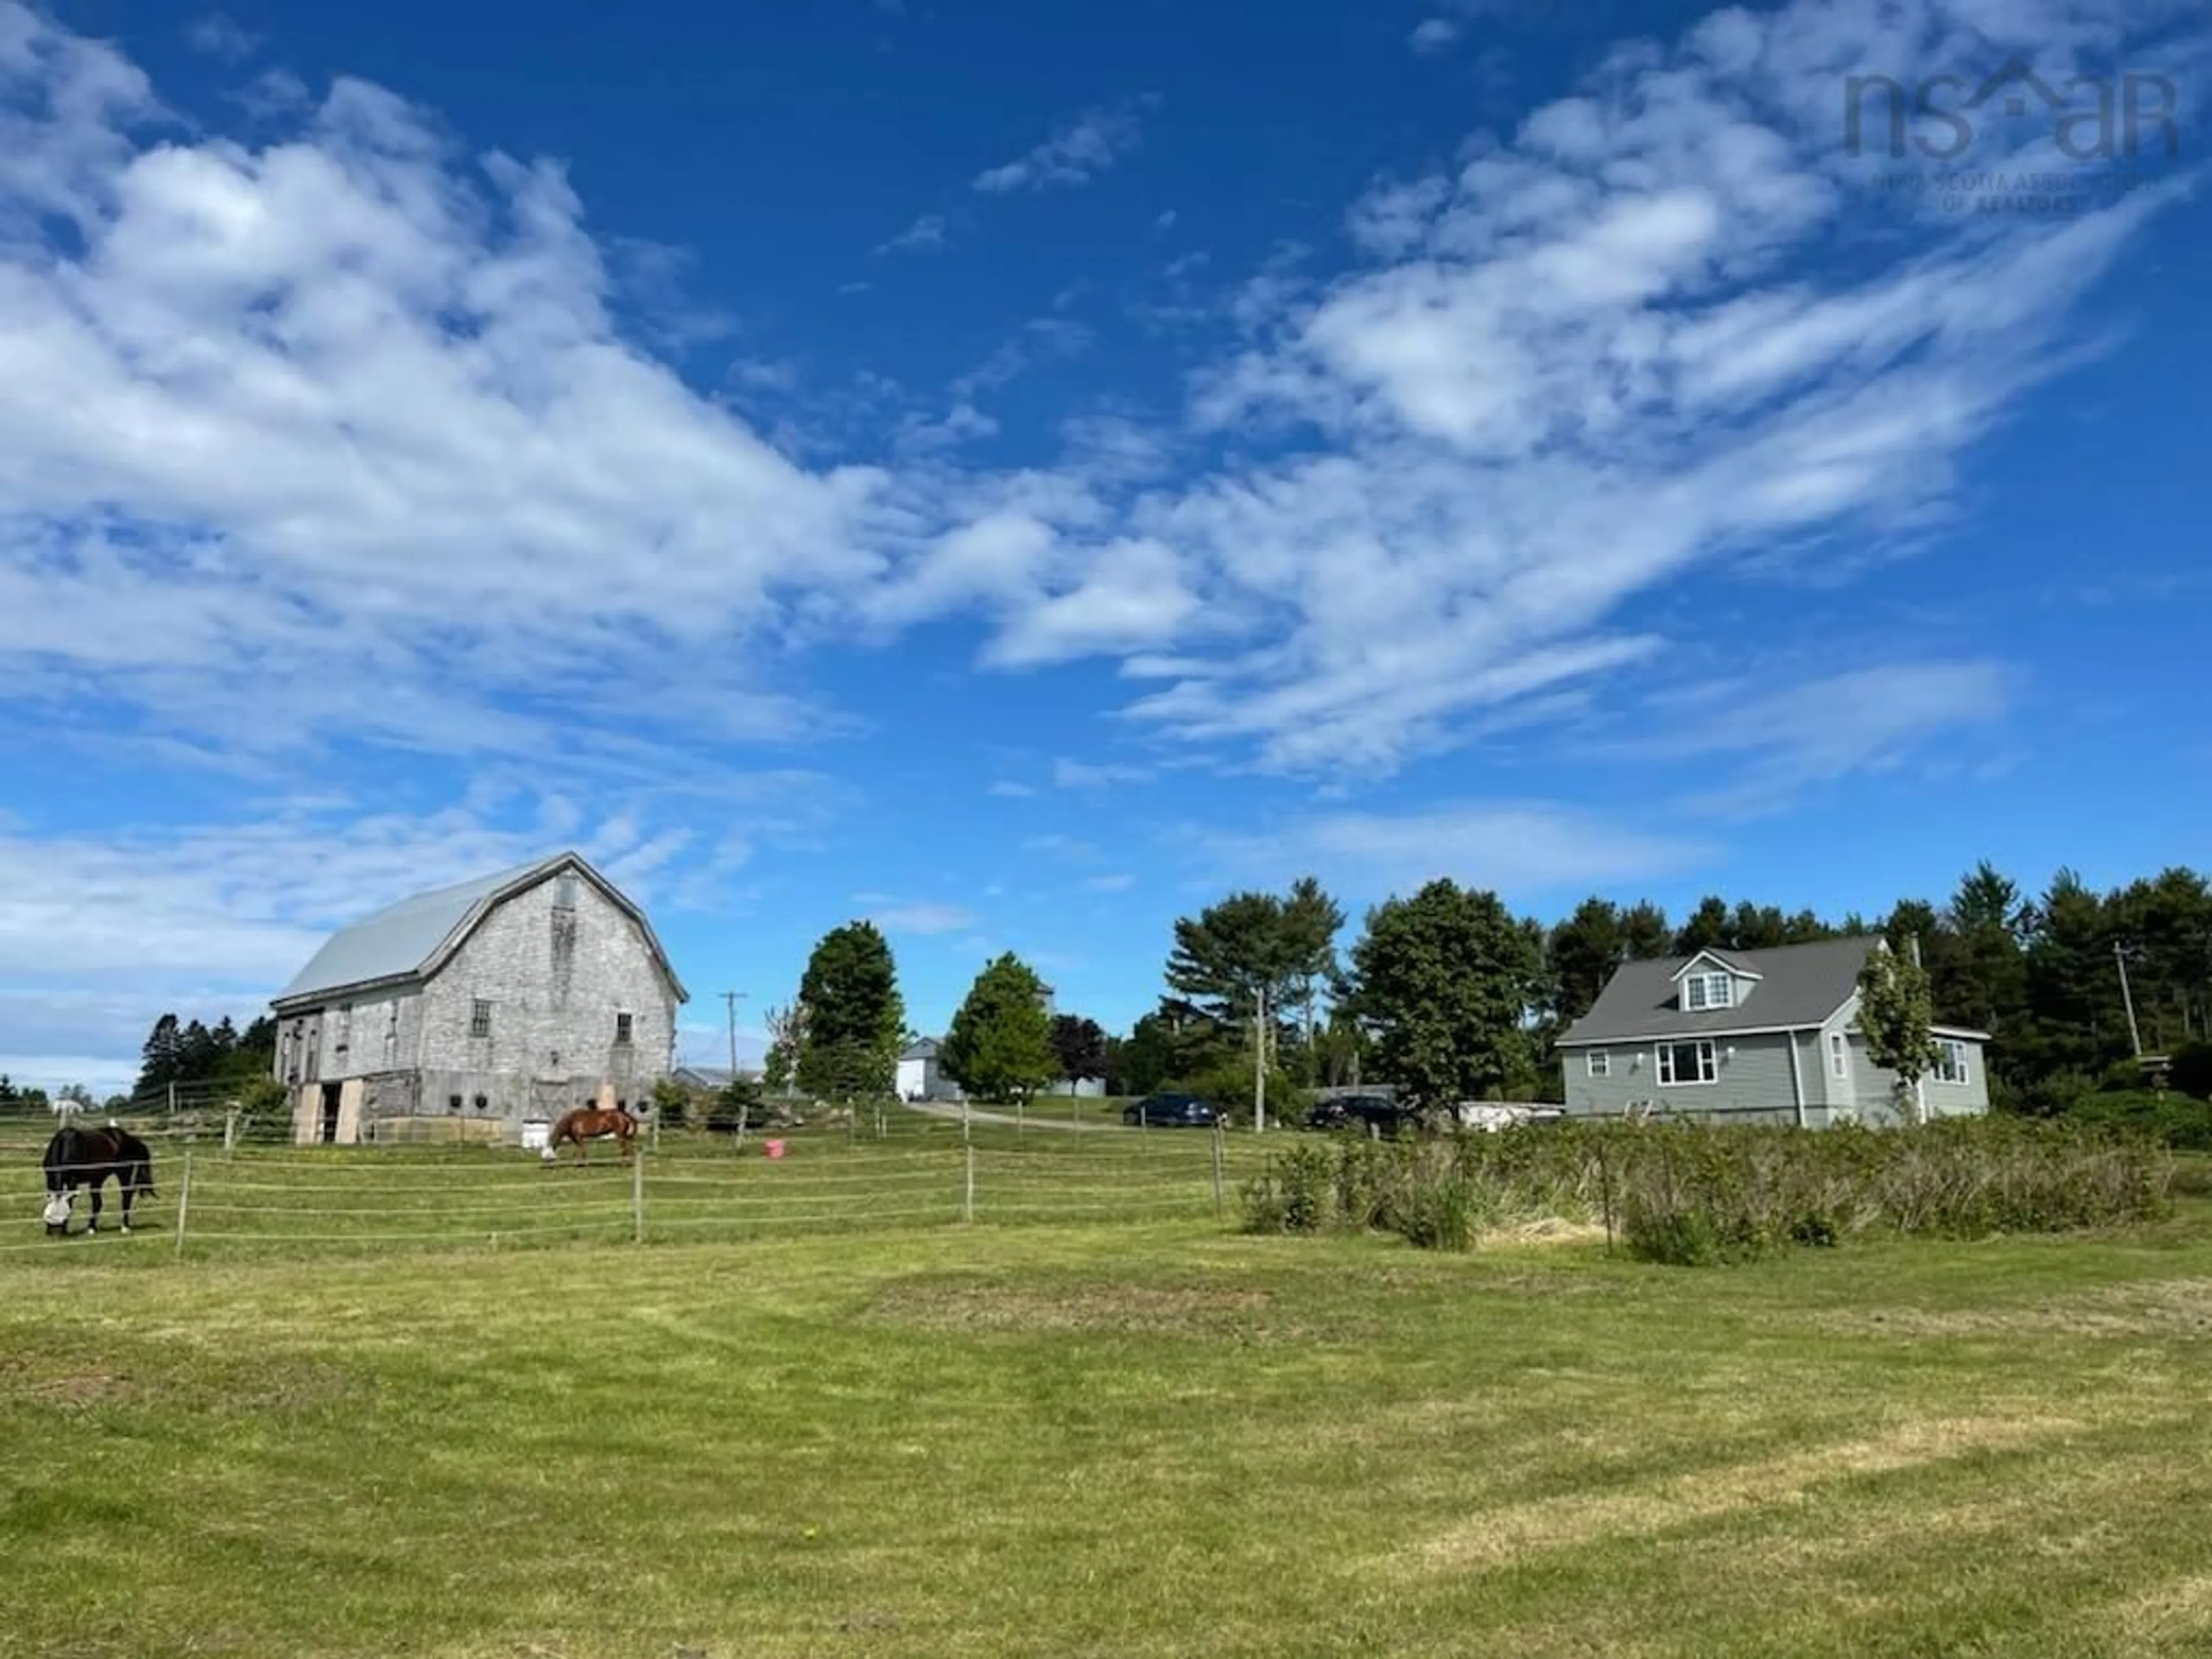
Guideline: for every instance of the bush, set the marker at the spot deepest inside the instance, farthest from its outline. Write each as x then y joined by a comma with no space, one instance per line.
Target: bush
2174,1119
264,1113
738,1104
1690,1194
2191,1072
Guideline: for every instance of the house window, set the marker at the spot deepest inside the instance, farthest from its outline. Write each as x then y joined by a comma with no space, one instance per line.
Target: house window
1684,1063
1600,1063
1951,1061
1708,991
1840,1054
621,1028
480,1019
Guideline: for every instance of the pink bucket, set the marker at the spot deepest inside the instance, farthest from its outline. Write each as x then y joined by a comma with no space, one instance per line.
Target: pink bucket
775,1148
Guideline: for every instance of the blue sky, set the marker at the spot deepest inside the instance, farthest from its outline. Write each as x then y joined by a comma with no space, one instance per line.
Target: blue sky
1020,472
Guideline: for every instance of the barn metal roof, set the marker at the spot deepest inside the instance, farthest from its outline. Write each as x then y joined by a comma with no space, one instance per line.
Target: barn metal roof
406,939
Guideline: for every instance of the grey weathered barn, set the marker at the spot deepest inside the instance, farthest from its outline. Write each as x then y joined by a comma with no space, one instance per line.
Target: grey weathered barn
492,1006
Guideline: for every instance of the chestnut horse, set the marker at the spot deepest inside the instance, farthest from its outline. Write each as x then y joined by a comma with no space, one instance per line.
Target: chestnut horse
588,1123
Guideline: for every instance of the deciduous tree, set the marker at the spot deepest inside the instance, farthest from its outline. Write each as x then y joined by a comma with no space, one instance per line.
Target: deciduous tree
1443,979
999,1046
1079,1045
854,1017
1896,1010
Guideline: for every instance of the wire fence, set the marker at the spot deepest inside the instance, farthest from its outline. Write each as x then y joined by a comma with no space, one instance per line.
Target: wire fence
219,1194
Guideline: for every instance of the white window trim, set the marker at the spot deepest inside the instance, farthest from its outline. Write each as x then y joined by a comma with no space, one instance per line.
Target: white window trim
1600,1063
1952,1066
1839,1056
1708,1062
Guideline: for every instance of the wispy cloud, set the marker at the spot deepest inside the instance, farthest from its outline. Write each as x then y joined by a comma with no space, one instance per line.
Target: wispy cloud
1075,155
1433,34
927,232
1085,775
1013,791
923,918
1793,737
217,36
1119,881
1518,848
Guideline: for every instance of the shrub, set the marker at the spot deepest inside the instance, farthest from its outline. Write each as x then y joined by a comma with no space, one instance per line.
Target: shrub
739,1102
2191,1072
2174,1119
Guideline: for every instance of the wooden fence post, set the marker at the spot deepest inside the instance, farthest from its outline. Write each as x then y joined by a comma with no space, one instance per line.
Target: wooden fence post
1218,1199
229,1130
968,1195
1605,1188
637,1194
184,1200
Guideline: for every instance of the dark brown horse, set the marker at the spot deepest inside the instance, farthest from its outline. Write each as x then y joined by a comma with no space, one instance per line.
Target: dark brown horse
87,1158
588,1123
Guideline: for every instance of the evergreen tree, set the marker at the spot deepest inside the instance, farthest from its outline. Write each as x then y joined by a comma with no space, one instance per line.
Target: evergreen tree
159,1060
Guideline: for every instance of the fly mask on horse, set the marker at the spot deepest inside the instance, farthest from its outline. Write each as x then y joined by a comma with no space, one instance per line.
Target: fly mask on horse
87,1157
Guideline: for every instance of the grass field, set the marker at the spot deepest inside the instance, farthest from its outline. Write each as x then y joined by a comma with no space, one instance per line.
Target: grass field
1150,1438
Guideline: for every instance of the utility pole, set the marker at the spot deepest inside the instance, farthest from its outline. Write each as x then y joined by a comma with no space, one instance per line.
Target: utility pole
2135,1037
730,1000
1260,1064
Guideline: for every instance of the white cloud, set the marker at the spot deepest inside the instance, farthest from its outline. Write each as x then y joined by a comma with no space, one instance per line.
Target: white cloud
1075,155
1082,774
928,231
923,918
1118,883
1518,848
1013,791
1867,719
349,384
218,36
1433,34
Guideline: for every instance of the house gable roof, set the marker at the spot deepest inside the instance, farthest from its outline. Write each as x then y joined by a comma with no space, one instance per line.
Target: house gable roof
1800,985
413,938
920,1048
1733,962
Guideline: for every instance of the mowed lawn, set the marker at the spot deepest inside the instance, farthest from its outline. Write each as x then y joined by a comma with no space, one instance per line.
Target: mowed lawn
1120,1441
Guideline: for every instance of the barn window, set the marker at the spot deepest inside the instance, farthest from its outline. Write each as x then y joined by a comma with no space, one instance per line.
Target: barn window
621,1028
480,1019
483,1102
345,1026
452,1102
564,893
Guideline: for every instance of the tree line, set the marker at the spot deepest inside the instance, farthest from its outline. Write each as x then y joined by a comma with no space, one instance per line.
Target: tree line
1450,994
194,1059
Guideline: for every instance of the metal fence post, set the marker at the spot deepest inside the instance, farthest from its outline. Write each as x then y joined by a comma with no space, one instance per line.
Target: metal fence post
968,1195
637,1194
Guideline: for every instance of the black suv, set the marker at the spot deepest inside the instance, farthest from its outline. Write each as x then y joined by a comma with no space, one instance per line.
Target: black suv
1169,1112
1364,1113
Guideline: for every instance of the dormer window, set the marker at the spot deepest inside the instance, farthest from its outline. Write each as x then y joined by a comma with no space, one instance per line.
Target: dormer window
1708,991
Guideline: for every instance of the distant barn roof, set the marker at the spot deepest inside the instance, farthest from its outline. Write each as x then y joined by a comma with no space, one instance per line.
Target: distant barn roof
406,938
